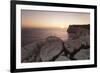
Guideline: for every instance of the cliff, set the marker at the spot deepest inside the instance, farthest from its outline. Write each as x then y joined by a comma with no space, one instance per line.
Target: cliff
78,42
76,31
73,27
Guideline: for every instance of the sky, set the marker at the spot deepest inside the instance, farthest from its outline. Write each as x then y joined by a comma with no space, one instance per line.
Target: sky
52,19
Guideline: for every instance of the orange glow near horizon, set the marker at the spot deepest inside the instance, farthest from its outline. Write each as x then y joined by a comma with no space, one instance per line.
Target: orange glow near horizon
51,19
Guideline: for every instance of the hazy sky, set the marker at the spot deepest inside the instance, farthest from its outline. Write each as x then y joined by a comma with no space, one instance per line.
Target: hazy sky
52,19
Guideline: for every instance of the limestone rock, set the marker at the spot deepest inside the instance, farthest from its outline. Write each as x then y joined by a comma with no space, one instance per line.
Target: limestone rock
52,47
30,52
85,40
79,37
72,45
62,58
82,54
76,31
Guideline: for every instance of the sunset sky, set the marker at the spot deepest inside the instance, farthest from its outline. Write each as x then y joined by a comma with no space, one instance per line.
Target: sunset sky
52,19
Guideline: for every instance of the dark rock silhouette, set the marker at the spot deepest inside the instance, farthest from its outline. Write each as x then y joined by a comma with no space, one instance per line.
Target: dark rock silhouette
76,31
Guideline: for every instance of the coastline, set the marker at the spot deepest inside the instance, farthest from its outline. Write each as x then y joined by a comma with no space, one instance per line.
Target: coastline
77,47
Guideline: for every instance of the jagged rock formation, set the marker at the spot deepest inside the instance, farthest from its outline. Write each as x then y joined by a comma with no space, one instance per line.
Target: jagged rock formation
79,38
77,47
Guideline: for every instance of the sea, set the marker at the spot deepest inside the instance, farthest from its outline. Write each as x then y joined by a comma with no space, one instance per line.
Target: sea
30,35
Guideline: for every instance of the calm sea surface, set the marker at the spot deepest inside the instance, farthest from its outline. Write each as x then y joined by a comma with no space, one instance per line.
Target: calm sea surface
29,35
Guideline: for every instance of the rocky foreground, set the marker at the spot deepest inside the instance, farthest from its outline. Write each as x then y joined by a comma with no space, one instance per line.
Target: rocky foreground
77,47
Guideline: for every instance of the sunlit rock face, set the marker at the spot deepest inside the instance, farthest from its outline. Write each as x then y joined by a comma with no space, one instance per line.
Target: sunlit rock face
79,38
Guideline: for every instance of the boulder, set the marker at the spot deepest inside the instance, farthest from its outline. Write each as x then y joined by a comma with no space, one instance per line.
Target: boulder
51,49
29,52
62,58
83,54
72,45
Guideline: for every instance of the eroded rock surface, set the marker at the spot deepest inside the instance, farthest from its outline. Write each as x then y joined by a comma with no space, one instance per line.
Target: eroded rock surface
62,58
72,45
77,47
79,38
30,52
53,47
83,54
